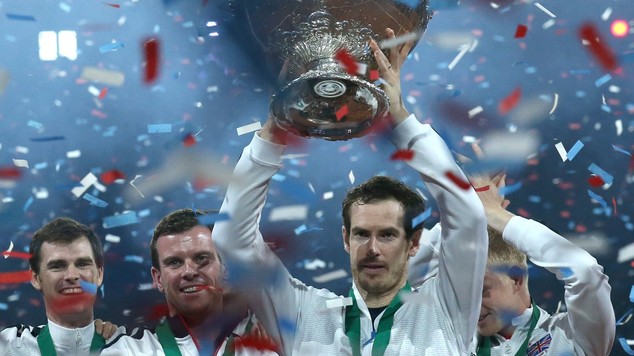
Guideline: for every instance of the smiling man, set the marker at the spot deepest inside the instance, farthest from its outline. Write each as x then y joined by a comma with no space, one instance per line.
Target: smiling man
67,267
204,317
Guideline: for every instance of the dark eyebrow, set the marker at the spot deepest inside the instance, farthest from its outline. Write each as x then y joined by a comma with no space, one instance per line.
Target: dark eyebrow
84,260
55,262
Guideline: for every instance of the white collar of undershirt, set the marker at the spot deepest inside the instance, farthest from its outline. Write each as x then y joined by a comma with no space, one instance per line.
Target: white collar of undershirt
71,339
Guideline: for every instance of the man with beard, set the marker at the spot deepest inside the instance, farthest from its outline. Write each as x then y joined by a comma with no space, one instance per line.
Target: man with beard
203,317
381,231
67,267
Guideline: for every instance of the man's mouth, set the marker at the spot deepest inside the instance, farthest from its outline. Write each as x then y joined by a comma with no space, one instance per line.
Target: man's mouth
482,317
193,289
71,291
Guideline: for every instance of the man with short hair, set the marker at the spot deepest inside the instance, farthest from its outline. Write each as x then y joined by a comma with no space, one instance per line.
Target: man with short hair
67,267
381,231
204,318
510,322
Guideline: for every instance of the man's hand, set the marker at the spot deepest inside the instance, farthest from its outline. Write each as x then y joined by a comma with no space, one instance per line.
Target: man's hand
272,132
488,189
105,329
390,70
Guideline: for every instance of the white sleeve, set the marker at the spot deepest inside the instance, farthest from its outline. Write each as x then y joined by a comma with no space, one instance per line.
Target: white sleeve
424,264
590,315
264,280
464,239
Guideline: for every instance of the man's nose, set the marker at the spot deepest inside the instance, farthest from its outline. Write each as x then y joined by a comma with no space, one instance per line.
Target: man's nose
72,273
372,246
190,270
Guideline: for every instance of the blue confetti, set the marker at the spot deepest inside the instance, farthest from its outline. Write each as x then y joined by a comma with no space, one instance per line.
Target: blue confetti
632,295
598,198
510,188
20,17
48,138
619,149
4,306
88,287
111,47
133,258
607,177
212,218
120,220
159,128
572,153
628,350
28,203
604,79
95,201
421,218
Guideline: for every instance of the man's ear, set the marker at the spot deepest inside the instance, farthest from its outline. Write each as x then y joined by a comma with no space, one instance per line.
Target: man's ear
156,279
99,276
35,281
346,239
415,242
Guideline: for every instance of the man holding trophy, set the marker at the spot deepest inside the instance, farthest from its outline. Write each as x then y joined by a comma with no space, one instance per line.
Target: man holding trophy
381,227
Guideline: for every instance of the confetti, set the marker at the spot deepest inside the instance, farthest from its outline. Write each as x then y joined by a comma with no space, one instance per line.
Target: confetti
112,5
289,212
475,111
597,46
48,138
85,183
351,177
625,345
95,201
346,61
625,253
457,180
607,177
122,219
509,189
616,148
159,128
463,50
103,93
575,150
508,103
330,276
88,287
110,47
398,40
596,181
22,163
151,49
19,17
545,10
4,80
343,111
104,76
113,238
15,277
421,217
111,176
255,126
402,155
520,32
10,173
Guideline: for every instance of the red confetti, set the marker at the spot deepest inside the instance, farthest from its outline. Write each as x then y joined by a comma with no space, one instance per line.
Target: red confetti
614,205
510,101
482,189
17,254
254,342
403,155
343,111
347,61
374,75
103,93
10,173
110,176
596,181
457,180
189,140
15,277
597,47
152,57
520,32
113,5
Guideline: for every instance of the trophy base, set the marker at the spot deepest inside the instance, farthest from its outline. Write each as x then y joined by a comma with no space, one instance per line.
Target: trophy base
332,106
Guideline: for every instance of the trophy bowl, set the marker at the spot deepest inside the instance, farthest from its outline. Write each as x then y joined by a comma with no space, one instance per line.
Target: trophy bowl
300,43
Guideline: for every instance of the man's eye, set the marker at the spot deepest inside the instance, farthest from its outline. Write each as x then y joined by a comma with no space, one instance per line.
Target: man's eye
174,263
202,260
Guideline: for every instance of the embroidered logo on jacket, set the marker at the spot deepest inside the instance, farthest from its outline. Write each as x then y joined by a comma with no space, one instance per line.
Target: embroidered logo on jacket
540,347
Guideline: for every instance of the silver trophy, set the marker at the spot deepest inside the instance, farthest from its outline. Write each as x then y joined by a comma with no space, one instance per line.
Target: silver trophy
301,42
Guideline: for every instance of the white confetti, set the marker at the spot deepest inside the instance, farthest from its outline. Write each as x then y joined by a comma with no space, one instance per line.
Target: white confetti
4,80
625,253
541,7
475,111
398,40
10,249
562,151
619,127
113,238
22,163
85,183
73,154
330,276
104,76
289,212
328,195
351,177
249,128
463,49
